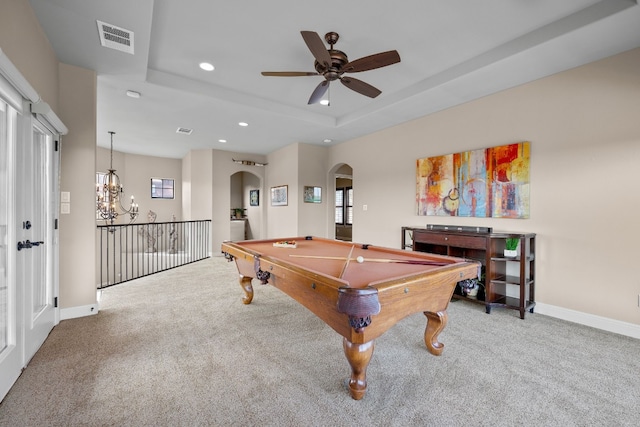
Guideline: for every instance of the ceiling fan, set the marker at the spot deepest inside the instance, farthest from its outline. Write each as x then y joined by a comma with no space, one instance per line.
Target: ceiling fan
332,64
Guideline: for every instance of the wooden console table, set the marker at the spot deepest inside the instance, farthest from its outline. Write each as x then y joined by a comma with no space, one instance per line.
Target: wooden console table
509,281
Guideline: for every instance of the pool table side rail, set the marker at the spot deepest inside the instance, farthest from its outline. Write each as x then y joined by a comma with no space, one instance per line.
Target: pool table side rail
418,293
269,263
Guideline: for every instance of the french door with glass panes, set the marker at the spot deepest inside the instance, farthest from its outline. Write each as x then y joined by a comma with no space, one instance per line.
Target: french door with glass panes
28,270
36,212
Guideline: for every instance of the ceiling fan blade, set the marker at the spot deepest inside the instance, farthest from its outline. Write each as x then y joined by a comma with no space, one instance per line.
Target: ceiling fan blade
288,73
372,62
317,48
319,92
361,87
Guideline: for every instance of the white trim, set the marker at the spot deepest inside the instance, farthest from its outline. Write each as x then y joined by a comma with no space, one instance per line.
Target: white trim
80,311
45,114
39,107
598,322
9,94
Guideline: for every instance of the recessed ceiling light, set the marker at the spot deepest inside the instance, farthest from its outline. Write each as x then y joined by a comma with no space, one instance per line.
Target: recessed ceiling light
184,131
224,141
243,124
327,140
133,94
206,66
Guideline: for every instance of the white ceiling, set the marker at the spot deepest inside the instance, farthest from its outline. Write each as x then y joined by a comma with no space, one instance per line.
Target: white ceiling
451,52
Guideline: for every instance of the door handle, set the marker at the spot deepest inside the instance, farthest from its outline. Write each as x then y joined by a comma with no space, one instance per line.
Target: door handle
28,244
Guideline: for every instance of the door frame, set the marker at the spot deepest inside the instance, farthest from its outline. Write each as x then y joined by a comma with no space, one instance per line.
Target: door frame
16,92
12,356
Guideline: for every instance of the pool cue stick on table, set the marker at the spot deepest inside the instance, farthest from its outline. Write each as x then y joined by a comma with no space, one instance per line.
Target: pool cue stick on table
346,264
385,260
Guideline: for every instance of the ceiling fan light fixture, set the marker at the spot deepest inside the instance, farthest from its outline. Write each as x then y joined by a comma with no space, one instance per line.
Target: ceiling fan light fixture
324,102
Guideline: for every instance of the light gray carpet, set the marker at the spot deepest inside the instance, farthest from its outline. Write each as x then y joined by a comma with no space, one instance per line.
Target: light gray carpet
180,349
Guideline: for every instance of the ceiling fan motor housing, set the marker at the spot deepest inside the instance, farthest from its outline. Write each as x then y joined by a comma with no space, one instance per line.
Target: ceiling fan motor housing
338,61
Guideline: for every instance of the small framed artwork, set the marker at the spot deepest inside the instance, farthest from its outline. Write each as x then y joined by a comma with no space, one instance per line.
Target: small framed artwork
312,194
279,195
254,197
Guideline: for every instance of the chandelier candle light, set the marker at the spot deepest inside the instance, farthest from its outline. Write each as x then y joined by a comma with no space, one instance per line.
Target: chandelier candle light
109,196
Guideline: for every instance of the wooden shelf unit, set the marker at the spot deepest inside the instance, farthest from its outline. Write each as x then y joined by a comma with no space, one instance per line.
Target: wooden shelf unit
509,281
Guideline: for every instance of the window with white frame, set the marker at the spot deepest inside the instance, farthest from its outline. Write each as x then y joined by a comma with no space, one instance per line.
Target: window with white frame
162,188
344,206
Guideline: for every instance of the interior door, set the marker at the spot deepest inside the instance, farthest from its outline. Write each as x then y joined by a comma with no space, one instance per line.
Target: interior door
35,218
11,339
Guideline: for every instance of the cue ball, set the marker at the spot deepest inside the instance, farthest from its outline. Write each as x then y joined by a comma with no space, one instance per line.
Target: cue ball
360,259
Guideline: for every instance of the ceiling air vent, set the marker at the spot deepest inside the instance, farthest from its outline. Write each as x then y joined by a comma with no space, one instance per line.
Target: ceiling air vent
184,131
115,37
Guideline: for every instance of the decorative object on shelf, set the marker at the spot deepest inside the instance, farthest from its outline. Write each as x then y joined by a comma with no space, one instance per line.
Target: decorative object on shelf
472,288
511,246
312,194
109,195
459,228
485,183
254,197
237,213
279,196
249,163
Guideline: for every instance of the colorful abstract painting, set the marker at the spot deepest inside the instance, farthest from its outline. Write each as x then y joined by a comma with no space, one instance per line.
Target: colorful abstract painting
487,183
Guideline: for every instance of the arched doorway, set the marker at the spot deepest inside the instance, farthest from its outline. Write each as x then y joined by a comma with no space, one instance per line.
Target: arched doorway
245,197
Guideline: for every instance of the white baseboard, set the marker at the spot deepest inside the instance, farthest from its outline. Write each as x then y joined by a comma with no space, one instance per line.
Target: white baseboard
81,311
598,322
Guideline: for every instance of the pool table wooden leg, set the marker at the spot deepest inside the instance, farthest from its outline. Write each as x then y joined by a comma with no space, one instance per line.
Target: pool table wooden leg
358,356
245,284
435,324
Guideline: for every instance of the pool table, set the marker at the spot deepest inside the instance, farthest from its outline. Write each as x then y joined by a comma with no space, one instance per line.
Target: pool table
359,290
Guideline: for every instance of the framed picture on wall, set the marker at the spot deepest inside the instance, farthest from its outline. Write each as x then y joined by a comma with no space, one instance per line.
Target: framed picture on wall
312,194
254,197
279,195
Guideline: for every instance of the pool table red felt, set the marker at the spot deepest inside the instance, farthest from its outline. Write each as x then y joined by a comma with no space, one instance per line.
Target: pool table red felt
359,300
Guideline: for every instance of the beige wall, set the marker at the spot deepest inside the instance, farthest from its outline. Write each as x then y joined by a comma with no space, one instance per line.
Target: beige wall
135,174
312,171
212,179
77,229
250,181
584,129
23,41
282,221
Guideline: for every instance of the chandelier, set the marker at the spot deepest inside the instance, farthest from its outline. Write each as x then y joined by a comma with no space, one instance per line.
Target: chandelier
109,193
